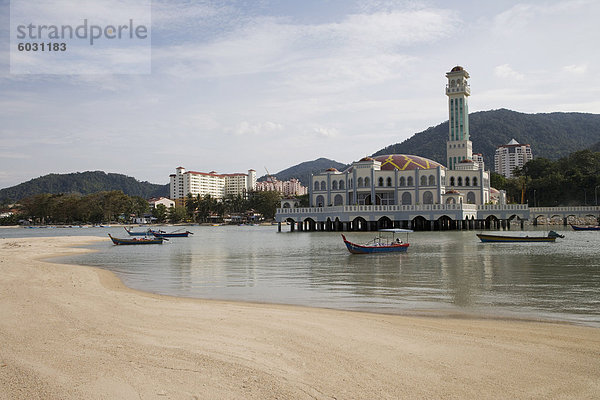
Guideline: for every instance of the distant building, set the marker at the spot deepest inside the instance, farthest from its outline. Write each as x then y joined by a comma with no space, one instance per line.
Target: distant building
293,187
183,182
161,200
511,156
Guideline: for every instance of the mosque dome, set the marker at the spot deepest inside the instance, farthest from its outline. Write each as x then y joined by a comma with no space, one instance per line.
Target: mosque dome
405,162
331,170
366,159
457,69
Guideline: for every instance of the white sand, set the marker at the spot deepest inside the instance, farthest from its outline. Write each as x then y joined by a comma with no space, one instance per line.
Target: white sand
69,332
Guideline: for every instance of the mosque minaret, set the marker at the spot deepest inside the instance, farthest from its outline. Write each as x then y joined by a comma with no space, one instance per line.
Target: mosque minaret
458,147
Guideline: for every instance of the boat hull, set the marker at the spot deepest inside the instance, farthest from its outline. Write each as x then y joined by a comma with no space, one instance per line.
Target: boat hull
170,235
359,249
131,233
585,228
513,239
118,241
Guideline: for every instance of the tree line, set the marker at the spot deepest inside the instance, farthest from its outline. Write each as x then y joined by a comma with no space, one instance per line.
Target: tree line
570,181
115,206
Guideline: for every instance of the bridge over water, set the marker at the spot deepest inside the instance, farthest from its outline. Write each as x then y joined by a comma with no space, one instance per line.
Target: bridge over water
422,217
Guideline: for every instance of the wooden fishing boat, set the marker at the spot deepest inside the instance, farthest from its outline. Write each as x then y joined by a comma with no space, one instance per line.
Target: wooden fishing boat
585,228
132,233
164,234
487,238
380,244
137,240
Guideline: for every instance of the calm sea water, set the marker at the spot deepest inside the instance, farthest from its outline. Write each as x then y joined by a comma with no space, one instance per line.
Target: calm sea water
441,272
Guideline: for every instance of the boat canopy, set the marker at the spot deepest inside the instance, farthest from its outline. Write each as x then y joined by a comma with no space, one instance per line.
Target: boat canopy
397,230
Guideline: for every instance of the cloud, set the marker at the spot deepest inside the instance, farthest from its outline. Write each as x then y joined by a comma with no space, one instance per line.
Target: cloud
246,128
505,71
325,133
269,45
576,69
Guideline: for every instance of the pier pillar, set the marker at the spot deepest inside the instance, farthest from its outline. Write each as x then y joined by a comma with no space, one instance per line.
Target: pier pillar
522,224
293,226
503,223
565,221
279,227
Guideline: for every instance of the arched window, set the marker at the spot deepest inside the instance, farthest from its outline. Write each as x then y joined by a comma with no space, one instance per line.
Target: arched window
450,200
341,185
389,181
320,201
360,182
460,181
423,180
402,181
431,180
323,185
409,181
286,205
334,185
406,198
380,181
451,181
428,197
467,181
338,200
316,185
367,182
475,181
470,198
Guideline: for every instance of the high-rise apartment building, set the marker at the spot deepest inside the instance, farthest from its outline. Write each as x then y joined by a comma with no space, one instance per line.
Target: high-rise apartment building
511,156
183,182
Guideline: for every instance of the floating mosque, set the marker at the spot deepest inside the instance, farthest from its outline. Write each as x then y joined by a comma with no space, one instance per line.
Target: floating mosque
399,190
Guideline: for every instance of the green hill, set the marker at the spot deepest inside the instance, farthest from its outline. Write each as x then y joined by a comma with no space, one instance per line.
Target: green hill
83,183
551,136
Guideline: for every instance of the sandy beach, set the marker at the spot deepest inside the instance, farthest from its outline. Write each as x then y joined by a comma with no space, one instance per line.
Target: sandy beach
71,332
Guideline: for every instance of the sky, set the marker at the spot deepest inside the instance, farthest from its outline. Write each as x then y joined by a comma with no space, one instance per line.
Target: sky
267,84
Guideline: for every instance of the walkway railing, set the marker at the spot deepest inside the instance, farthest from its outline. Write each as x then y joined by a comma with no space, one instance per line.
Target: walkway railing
575,209
379,208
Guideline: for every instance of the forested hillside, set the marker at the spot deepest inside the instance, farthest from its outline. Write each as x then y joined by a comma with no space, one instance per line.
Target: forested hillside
551,136
83,183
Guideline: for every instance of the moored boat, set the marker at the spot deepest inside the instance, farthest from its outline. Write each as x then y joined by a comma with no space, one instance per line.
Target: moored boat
132,233
137,240
163,234
488,238
380,244
585,228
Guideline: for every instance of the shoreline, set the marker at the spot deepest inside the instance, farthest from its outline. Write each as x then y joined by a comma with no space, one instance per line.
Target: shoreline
74,332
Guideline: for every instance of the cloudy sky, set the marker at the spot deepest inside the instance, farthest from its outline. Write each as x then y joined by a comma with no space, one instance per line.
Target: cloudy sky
247,84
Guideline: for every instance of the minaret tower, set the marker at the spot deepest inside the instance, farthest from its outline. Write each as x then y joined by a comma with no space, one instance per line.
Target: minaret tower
458,147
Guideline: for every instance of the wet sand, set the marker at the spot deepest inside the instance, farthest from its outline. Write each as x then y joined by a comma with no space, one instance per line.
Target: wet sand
71,332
